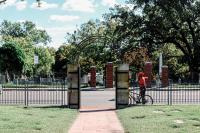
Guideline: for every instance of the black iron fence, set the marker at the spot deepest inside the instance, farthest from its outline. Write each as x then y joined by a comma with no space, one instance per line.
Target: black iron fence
28,93
175,93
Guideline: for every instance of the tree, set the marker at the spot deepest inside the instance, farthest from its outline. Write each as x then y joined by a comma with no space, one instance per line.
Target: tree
26,36
174,59
63,56
12,59
46,60
154,23
26,30
95,44
28,49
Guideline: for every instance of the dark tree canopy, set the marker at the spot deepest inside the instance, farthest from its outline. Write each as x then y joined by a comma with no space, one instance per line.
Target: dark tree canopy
12,59
153,23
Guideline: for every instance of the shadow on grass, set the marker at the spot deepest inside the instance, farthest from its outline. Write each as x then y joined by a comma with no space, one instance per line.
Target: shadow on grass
46,107
96,110
138,105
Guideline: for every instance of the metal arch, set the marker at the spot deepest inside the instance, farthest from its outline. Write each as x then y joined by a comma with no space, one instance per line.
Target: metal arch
83,44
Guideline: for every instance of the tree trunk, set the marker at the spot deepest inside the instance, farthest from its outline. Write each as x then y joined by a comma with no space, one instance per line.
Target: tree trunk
194,74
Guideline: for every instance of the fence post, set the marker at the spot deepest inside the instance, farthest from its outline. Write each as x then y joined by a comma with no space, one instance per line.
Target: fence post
171,85
27,94
62,87
25,100
168,94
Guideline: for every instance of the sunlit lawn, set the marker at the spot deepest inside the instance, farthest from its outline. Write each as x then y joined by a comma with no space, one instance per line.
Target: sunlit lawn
35,120
161,119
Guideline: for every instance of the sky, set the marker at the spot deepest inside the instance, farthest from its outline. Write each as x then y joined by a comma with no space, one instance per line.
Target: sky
57,17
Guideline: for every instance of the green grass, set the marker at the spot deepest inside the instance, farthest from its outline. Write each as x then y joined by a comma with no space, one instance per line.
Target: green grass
35,120
161,119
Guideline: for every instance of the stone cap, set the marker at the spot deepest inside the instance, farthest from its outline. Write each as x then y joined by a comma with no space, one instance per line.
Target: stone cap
123,67
164,66
148,62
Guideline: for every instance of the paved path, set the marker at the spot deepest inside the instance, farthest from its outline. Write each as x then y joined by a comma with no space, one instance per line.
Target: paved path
98,98
97,120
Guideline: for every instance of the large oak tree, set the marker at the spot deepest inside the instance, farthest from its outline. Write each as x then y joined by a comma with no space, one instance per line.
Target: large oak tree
154,23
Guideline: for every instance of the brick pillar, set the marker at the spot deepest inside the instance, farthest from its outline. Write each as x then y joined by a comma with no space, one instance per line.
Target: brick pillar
93,76
148,72
165,76
109,75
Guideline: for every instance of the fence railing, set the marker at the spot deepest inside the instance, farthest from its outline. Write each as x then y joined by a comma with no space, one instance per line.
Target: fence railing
175,93
35,94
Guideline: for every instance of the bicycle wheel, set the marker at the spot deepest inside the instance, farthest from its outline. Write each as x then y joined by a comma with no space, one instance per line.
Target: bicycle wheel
147,100
134,98
130,99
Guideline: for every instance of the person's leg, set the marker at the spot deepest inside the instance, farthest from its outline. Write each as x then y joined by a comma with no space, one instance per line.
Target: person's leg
143,95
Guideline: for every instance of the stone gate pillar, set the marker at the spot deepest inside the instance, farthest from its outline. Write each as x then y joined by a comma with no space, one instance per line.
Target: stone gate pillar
109,75
165,76
93,77
148,72
73,77
122,85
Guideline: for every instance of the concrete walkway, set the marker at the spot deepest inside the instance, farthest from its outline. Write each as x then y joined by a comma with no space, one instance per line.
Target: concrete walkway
96,120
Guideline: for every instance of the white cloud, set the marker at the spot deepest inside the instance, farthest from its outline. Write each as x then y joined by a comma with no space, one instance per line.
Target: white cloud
21,5
21,20
64,18
129,6
8,3
58,34
109,3
44,5
79,5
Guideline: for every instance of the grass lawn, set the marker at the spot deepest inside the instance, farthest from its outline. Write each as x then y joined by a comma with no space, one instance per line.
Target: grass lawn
161,119
35,120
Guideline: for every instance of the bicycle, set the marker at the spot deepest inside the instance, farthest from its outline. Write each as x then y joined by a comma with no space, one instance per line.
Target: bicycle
137,99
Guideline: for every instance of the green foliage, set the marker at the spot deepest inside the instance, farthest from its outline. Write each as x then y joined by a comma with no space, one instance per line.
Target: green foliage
26,36
25,30
94,44
28,47
173,58
46,60
12,59
152,24
64,56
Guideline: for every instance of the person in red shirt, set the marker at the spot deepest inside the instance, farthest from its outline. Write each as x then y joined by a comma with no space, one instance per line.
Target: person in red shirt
142,84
